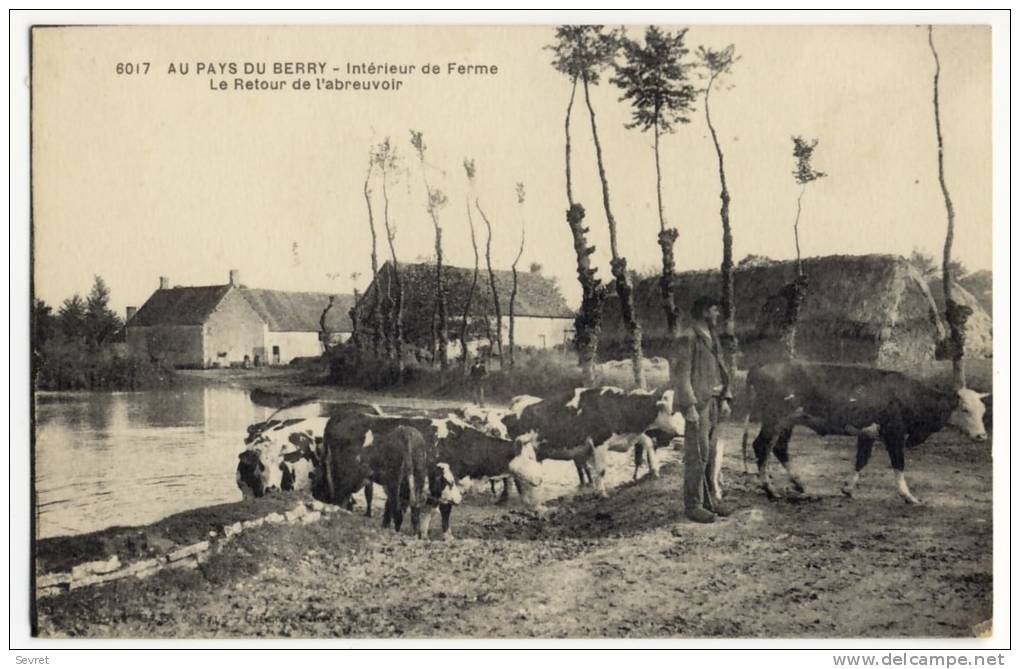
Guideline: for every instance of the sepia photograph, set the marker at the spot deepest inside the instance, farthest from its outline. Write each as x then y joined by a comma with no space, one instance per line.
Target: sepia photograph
560,330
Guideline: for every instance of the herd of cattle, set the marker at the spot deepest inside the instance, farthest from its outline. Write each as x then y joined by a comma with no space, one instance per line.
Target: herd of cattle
420,461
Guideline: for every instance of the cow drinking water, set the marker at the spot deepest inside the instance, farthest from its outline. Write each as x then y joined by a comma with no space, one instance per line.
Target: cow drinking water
868,403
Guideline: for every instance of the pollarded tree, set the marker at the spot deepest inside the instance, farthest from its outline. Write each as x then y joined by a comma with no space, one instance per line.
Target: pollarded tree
436,201
654,79
956,313
492,285
375,312
605,47
575,48
720,63
469,170
385,158
803,150
513,271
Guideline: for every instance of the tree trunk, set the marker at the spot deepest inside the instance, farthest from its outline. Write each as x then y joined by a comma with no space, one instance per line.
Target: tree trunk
618,264
729,334
387,319
470,295
588,322
492,285
398,300
956,313
795,292
444,327
667,238
324,333
374,316
513,298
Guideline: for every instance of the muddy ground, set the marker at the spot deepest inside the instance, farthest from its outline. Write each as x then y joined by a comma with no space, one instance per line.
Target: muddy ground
630,566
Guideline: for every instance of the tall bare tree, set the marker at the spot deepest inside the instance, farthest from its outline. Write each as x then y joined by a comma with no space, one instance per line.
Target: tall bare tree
375,313
803,150
469,169
956,313
654,79
573,51
719,63
492,285
513,271
436,201
386,160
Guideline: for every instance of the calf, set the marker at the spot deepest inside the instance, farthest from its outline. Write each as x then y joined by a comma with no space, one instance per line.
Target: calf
400,464
453,445
581,424
871,404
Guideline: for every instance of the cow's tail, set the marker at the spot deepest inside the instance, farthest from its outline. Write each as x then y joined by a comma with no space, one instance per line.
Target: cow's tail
747,417
407,469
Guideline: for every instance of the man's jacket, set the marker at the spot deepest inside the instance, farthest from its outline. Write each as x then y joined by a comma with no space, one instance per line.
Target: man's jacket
698,372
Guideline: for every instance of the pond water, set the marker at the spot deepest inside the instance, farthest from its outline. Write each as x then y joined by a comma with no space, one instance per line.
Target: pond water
105,459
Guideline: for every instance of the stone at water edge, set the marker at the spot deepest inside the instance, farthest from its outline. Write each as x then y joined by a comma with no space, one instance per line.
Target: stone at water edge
56,578
95,567
188,551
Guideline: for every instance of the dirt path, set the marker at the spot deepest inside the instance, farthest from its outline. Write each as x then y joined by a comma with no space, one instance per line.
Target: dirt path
629,566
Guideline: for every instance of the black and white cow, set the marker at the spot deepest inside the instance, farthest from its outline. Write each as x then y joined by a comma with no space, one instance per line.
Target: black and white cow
868,403
580,425
284,452
280,455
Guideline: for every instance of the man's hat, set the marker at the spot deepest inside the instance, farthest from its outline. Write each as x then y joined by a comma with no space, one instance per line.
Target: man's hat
702,304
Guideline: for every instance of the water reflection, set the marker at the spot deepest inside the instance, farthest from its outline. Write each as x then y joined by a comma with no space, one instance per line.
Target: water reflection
105,459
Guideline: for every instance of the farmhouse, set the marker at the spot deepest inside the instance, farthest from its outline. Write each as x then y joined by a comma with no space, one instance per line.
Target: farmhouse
210,326
873,309
542,318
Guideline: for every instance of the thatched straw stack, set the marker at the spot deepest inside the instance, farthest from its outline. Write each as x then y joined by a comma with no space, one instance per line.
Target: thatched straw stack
979,324
874,309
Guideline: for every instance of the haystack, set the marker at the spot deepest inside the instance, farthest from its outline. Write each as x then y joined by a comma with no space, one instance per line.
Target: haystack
979,324
874,309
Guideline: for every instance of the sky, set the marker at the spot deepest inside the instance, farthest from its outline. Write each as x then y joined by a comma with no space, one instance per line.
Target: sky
141,176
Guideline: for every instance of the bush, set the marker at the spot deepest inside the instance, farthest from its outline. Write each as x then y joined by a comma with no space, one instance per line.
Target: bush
354,367
63,365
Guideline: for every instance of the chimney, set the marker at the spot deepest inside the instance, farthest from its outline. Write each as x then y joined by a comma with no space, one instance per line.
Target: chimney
131,311
164,283
235,277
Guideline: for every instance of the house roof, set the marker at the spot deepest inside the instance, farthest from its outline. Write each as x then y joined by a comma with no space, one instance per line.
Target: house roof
184,305
537,295
282,311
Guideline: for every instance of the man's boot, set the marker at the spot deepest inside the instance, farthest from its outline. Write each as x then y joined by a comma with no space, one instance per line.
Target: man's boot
721,509
701,515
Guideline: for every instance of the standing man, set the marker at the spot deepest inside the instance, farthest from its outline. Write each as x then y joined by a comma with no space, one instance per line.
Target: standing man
702,385
478,374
